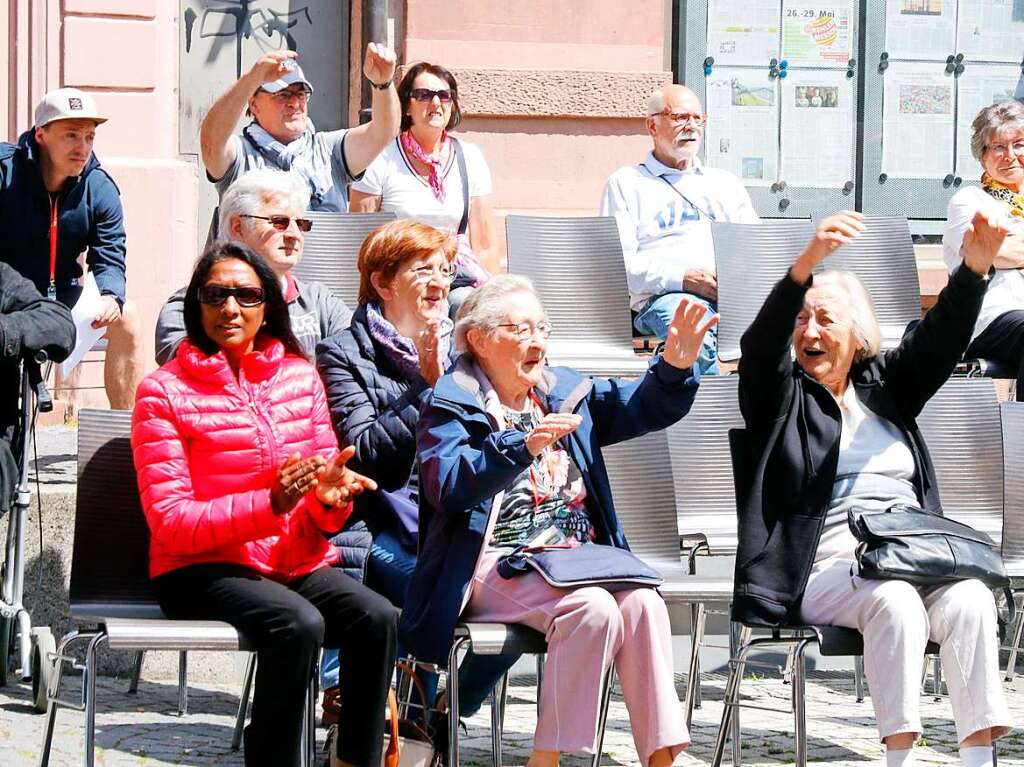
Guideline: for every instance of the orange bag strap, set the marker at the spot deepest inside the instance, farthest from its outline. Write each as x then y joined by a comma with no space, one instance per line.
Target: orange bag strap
391,755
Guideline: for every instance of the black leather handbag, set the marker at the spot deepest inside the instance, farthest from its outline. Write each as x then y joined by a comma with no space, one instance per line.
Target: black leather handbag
910,544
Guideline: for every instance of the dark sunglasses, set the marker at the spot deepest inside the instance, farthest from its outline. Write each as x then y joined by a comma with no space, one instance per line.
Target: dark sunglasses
445,95
280,223
217,295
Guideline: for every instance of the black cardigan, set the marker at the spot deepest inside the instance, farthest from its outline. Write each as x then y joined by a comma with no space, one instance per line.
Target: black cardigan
785,465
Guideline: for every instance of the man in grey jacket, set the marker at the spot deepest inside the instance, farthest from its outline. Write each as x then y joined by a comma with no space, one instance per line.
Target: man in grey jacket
263,210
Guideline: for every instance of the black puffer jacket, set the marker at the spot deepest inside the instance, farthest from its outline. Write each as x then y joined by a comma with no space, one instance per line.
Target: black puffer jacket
376,409
786,462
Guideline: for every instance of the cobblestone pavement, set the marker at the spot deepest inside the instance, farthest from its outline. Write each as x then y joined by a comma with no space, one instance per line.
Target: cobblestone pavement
145,730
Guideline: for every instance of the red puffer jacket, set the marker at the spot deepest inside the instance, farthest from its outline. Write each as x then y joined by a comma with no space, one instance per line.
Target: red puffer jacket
207,447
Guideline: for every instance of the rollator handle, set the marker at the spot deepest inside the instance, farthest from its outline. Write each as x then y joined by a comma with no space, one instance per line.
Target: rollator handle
35,377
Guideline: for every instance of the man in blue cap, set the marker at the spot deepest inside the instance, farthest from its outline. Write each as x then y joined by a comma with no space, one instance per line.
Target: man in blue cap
276,93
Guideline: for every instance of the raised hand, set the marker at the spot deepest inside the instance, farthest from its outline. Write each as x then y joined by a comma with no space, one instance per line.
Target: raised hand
379,64
271,66
832,232
428,346
686,334
337,484
295,478
982,240
552,427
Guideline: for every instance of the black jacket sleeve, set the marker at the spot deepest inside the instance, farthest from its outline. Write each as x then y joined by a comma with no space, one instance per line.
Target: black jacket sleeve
766,365
31,323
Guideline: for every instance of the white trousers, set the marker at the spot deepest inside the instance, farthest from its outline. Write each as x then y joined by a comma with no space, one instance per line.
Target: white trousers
897,619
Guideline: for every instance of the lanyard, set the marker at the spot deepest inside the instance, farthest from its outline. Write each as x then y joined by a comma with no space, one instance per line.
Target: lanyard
51,291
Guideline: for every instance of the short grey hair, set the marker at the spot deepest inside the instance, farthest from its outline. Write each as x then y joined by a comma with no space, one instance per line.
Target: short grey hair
862,310
253,189
656,103
484,308
993,120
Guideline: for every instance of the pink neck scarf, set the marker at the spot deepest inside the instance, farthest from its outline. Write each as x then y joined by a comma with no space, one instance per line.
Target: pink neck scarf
412,147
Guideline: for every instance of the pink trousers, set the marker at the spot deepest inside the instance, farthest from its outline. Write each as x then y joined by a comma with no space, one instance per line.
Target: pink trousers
588,629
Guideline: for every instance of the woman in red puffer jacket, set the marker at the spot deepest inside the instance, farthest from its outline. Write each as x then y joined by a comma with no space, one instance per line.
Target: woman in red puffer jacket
241,478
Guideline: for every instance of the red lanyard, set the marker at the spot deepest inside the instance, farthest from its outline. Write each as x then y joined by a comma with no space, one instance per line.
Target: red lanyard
51,292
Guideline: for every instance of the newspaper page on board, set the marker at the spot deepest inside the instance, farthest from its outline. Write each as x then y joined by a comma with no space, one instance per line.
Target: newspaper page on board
917,121
991,30
920,29
818,33
980,86
817,129
743,33
742,130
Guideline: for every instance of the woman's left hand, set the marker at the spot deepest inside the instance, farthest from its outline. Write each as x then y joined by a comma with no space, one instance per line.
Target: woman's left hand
338,484
686,333
982,240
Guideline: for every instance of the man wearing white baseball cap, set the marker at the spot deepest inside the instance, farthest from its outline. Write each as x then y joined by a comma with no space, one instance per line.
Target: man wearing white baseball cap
276,93
56,202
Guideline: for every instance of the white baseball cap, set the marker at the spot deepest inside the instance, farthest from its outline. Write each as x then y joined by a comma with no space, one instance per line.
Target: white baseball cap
67,104
292,75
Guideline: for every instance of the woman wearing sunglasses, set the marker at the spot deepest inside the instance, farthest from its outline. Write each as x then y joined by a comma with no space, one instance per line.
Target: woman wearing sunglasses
241,478
420,175
377,374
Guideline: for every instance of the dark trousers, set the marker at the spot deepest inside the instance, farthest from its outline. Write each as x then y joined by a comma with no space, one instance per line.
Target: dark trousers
286,624
1003,340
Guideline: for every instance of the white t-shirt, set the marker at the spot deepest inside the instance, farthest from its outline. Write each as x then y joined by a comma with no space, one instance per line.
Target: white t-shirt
664,217
1006,290
408,195
328,161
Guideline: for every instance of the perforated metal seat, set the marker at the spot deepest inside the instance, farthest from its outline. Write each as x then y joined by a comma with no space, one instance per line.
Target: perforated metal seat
576,264
331,250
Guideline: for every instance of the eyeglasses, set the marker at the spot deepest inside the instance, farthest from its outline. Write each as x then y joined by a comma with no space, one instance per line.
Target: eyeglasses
280,223
445,95
446,272
1017,148
524,331
681,118
217,295
288,94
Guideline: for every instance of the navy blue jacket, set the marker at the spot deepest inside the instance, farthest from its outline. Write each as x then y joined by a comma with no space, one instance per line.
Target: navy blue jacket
785,465
376,409
464,462
90,219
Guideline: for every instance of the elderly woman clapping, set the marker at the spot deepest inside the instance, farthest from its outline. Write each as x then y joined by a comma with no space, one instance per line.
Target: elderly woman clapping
509,447
834,431
998,144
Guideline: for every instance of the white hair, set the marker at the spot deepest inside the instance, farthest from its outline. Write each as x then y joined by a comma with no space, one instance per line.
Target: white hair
656,102
861,307
993,120
484,309
254,189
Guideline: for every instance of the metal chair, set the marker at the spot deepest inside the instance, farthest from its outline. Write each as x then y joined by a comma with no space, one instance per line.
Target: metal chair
1013,517
577,266
331,250
504,639
110,596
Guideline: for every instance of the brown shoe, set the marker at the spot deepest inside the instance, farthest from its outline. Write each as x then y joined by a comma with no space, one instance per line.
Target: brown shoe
331,706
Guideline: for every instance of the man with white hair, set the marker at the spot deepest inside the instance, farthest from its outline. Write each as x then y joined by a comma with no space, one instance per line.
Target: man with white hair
664,208
263,210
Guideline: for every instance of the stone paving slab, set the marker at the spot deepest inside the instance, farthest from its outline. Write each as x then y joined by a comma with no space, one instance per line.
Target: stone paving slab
144,729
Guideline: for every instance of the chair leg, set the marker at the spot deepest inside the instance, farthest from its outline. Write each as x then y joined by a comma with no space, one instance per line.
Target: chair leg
52,694
182,683
133,684
498,717
739,635
1018,634
937,678
698,617
89,686
541,658
307,757
800,701
858,677
453,701
732,696
243,702
606,698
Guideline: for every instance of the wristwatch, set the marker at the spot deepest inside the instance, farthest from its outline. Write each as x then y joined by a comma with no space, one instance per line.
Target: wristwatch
382,86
